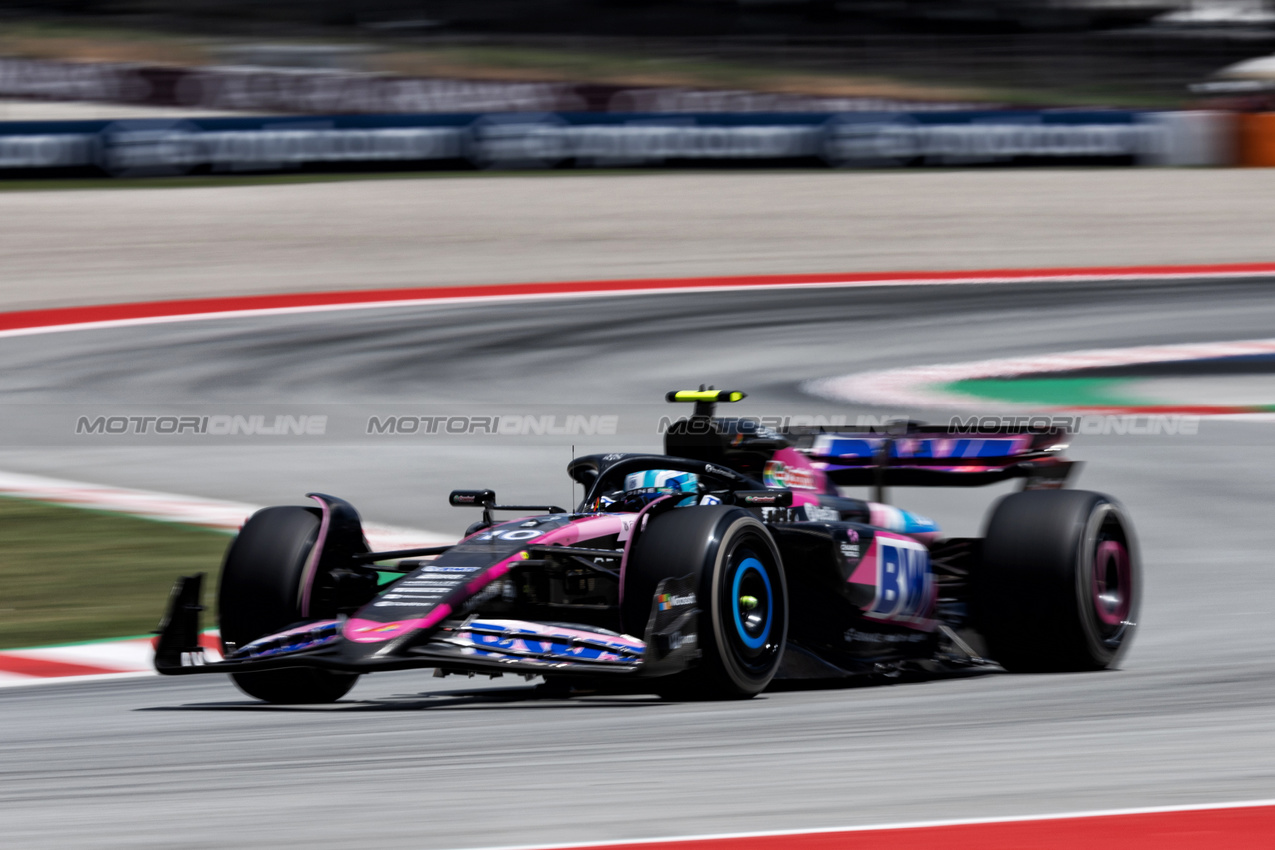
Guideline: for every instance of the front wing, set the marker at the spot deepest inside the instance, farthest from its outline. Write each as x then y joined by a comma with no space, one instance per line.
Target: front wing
473,643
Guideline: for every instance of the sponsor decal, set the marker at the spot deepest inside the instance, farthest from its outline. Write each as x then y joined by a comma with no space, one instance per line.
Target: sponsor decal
819,513
148,147
653,491
677,640
310,636
875,140
409,601
850,551
903,580
667,601
426,587
47,150
505,637
856,636
833,446
778,474
626,529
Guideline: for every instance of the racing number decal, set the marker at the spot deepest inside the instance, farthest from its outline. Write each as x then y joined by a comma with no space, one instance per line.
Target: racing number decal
512,534
903,580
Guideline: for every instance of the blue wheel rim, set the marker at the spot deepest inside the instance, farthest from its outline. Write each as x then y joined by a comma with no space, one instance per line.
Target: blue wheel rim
751,564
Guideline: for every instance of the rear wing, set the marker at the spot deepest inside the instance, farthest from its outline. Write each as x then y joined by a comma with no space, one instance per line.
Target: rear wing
936,456
900,454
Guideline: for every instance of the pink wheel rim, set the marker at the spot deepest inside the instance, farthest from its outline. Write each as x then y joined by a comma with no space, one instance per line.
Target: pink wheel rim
1111,583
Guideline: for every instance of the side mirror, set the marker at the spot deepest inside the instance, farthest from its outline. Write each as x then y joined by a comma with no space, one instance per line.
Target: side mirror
472,498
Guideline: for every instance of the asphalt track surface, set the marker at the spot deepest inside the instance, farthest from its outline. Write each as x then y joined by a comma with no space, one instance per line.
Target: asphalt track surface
82,247
411,761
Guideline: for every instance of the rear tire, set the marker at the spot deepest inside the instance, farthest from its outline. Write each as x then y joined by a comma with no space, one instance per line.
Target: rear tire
1059,583
742,596
260,594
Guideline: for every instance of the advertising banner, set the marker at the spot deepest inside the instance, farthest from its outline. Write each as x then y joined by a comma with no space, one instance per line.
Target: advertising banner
525,140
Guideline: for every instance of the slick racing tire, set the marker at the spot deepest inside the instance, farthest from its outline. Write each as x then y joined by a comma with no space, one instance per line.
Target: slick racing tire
1059,582
260,593
742,596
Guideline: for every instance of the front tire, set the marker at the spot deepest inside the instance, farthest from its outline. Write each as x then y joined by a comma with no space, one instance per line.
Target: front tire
1059,584
260,593
742,596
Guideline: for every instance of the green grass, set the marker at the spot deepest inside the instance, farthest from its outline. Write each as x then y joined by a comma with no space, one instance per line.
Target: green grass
70,575
1076,392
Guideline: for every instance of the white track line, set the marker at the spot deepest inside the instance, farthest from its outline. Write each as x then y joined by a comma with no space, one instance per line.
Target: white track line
922,385
726,836
215,514
974,278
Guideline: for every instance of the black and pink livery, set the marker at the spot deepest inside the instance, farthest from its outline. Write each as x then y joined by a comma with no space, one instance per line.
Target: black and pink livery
762,569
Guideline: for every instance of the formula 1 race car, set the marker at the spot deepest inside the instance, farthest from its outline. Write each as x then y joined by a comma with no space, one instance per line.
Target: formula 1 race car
705,572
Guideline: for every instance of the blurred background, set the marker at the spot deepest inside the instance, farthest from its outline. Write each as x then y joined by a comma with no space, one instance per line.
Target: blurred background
1028,52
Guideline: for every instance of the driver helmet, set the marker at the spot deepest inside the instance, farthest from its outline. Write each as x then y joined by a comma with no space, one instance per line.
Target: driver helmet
654,483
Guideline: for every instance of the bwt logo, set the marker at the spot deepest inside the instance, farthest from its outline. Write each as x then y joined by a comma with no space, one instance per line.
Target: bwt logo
903,580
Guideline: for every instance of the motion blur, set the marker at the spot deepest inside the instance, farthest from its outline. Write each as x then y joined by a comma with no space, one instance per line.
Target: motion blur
379,252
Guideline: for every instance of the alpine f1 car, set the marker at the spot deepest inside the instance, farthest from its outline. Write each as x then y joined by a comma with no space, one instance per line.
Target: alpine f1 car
707,572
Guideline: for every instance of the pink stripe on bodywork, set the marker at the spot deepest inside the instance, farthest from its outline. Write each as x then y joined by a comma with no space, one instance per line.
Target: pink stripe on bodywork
638,519
312,563
370,631
801,498
590,528
490,574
